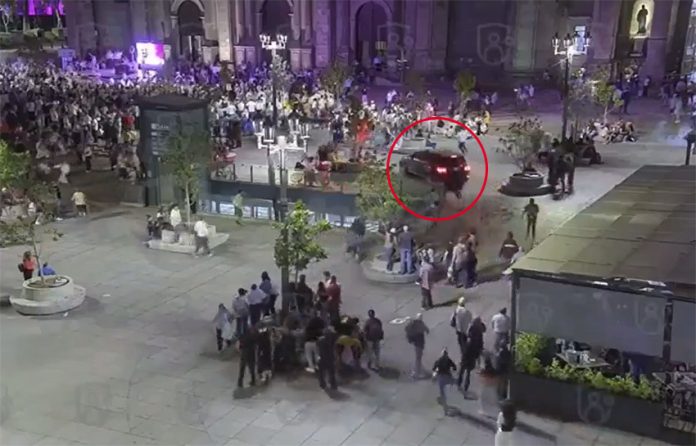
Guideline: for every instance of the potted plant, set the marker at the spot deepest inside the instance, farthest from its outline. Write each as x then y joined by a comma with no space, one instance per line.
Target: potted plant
522,141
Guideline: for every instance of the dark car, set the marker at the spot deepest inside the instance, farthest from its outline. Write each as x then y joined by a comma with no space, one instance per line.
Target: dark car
437,166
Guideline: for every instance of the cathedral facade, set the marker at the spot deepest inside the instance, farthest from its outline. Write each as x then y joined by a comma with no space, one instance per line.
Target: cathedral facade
511,37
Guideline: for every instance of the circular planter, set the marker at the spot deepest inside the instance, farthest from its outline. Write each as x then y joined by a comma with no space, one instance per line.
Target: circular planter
376,270
60,294
525,185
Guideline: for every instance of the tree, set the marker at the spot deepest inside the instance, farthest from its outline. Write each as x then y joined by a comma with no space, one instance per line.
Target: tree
16,174
297,243
605,93
464,84
581,102
334,77
374,199
280,74
523,140
187,156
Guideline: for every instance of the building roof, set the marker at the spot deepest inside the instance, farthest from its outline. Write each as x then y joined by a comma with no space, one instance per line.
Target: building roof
170,102
642,229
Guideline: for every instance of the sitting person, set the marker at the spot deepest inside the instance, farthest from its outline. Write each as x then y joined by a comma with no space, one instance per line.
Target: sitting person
310,172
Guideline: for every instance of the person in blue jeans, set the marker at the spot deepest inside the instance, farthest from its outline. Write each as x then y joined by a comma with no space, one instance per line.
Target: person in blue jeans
405,242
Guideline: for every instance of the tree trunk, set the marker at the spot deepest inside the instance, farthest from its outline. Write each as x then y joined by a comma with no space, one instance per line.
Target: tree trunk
38,257
606,111
188,206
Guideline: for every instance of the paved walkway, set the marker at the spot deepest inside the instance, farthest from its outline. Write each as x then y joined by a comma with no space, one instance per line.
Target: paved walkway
136,364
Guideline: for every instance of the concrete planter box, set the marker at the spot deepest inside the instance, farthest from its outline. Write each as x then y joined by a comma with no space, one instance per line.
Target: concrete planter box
576,402
61,295
186,242
376,270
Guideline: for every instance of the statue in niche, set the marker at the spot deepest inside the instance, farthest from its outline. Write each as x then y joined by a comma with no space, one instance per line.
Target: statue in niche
642,18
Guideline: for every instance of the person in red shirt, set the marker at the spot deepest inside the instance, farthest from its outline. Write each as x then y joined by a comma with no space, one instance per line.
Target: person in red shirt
333,289
28,265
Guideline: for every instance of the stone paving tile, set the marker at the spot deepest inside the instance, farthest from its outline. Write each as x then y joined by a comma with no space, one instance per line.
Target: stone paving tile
255,435
13,437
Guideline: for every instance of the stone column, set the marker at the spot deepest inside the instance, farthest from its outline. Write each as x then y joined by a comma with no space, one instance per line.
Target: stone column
525,36
249,18
654,63
138,17
605,22
322,34
238,21
224,29
305,22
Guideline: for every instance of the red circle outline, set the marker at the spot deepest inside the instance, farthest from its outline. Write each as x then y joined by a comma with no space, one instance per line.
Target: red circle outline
388,168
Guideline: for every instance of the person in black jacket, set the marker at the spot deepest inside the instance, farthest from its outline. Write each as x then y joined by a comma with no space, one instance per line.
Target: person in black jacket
442,371
265,360
327,358
313,331
247,357
472,352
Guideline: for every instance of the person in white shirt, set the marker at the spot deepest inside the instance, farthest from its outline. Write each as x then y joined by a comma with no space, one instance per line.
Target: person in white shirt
80,201
461,319
507,418
200,230
462,137
501,327
256,299
175,216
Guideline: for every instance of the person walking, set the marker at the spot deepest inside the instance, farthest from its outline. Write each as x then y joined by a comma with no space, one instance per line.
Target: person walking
461,319
247,357
506,422
470,263
238,203
509,248
462,137
256,300
415,335
200,230
489,386
374,334
390,248
531,212
425,279
271,294
442,372
222,326
501,328
313,331
327,358
333,303
406,242
458,261
472,352
503,366
240,307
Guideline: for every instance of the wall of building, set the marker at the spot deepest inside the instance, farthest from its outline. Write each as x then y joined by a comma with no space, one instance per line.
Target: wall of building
487,36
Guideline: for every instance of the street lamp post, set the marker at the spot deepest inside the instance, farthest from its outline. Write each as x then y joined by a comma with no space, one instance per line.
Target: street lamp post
281,146
567,48
273,46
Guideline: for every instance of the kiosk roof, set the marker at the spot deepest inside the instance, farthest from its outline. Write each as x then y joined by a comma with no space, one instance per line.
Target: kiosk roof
642,229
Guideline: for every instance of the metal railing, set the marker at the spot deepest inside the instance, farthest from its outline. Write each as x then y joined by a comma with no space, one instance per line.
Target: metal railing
261,174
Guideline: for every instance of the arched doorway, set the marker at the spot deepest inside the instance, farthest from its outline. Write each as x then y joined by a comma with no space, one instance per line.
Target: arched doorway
190,24
370,25
276,19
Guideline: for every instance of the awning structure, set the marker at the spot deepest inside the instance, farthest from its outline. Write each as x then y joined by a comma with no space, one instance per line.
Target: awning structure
643,229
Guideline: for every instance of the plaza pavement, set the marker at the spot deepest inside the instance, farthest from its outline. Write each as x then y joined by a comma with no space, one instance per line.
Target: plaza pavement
136,363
